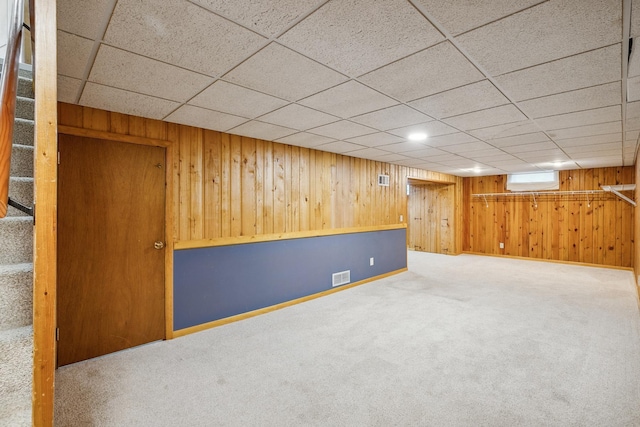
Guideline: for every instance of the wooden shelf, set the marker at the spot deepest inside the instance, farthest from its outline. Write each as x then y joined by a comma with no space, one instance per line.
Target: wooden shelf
606,189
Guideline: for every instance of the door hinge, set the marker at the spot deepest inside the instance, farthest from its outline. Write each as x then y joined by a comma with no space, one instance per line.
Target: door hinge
57,334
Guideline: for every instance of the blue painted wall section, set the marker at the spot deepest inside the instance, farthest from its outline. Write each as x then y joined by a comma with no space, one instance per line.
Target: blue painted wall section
217,282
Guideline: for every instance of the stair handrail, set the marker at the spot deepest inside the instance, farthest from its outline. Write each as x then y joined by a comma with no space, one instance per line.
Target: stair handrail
8,93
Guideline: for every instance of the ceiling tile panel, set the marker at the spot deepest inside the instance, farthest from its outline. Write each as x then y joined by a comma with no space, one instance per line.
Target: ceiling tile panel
487,118
391,157
125,70
267,17
584,131
348,99
304,139
575,72
342,130
452,138
600,162
535,146
121,101
73,54
298,117
503,131
237,100
426,153
375,139
432,129
161,30
260,130
68,89
403,147
590,140
581,118
284,73
528,138
86,18
467,149
339,147
575,100
392,117
459,16
568,27
203,118
355,37
473,97
593,148
425,73
368,153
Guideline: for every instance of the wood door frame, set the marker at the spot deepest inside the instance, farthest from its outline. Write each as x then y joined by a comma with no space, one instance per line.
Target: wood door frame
457,209
169,238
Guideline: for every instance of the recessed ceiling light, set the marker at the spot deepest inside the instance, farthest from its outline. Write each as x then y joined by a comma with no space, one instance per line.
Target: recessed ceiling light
417,136
557,164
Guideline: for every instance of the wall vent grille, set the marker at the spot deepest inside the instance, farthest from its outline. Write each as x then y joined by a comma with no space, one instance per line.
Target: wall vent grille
383,180
341,278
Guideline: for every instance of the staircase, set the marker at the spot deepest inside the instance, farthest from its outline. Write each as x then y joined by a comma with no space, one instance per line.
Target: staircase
16,271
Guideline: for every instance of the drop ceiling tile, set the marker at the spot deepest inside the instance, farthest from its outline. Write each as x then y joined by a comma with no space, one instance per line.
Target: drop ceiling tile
524,167
575,72
469,147
163,30
86,18
492,158
528,138
403,147
452,138
594,148
340,147
635,19
473,97
575,100
368,153
445,157
567,28
633,109
375,139
267,17
284,73
432,129
633,88
546,155
513,162
233,99
632,136
425,73
535,146
360,36
73,54
128,71
68,89
298,117
304,139
342,130
581,118
426,153
584,131
487,118
503,131
590,140
392,117
461,16
348,99
203,118
601,162
121,101
410,163
391,157
259,130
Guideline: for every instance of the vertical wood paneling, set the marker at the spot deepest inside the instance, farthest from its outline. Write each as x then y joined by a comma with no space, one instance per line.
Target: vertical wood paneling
227,185
598,229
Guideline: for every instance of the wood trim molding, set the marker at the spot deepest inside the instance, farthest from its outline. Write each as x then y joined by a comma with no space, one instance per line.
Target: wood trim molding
98,134
416,180
269,309
555,261
240,240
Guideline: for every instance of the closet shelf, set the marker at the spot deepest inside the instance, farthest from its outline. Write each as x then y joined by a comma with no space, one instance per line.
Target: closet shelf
613,189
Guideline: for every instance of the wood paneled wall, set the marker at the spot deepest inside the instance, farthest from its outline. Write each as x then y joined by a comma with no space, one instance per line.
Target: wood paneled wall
597,230
228,186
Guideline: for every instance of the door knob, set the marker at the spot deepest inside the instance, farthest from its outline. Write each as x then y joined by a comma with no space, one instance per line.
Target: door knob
158,245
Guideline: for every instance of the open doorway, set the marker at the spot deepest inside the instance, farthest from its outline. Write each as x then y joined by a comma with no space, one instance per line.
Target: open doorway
431,216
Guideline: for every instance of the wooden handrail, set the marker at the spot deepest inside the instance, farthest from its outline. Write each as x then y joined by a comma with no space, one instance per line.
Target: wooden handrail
8,92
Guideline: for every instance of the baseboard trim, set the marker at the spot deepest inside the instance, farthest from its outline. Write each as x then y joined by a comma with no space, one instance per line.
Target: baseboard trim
555,261
249,314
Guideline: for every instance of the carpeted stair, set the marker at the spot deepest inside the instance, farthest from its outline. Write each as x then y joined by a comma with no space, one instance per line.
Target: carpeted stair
16,271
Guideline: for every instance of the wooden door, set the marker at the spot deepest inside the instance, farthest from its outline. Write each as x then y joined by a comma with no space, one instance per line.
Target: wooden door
431,217
111,211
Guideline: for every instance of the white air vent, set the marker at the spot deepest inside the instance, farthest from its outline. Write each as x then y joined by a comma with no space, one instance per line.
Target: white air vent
341,278
383,180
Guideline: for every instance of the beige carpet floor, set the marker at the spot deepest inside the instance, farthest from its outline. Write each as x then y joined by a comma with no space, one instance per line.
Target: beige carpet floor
455,341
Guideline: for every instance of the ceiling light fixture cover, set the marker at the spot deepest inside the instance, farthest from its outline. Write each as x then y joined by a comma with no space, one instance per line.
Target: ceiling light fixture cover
418,136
